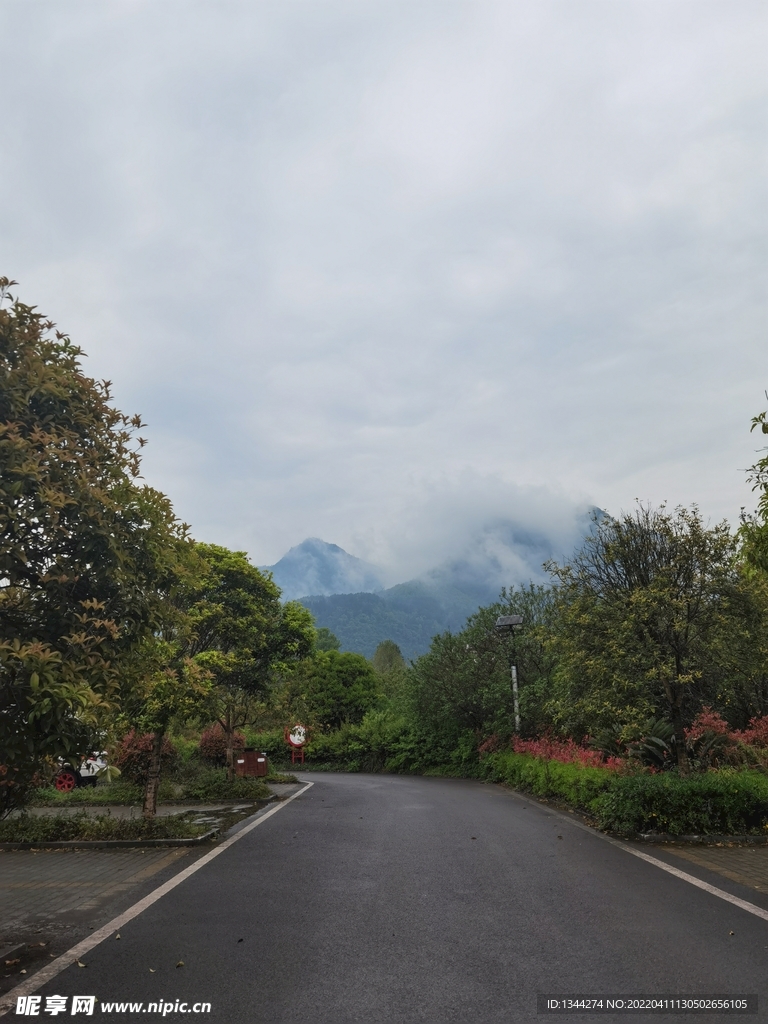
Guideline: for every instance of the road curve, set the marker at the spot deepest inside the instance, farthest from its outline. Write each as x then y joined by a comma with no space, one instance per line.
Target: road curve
380,898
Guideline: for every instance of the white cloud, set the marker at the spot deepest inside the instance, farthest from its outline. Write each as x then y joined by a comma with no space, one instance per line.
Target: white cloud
381,272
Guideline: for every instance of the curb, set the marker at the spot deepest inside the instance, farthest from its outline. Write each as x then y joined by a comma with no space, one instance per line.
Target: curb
108,844
707,840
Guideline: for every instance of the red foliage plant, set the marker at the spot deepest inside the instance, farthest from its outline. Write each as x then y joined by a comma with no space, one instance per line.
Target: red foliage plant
756,735
549,748
133,754
213,744
707,720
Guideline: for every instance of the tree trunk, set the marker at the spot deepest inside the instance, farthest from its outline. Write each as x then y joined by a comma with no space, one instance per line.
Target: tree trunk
230,731
676,717
153,776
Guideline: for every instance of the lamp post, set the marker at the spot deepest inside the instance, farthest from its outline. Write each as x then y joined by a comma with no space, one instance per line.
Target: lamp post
508,625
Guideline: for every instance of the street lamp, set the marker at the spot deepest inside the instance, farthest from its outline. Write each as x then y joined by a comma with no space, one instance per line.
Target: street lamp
508,625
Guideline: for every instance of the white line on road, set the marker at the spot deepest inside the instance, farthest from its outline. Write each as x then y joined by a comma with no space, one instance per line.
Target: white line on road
66,960
750,908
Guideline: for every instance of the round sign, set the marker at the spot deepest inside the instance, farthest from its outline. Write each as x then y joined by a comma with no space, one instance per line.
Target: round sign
296,736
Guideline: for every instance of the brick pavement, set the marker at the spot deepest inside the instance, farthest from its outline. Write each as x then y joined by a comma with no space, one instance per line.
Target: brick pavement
39,888
747,865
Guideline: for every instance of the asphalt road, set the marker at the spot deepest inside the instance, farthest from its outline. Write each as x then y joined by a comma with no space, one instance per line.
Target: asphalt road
396,899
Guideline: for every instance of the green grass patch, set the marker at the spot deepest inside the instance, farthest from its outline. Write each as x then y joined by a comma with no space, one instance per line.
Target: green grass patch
210,784
116,793
191,783
60,827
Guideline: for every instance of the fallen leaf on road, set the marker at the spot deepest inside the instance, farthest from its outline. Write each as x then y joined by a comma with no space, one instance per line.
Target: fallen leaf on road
22,971
118,935
10,963
731,933
81,964
180,963
151,970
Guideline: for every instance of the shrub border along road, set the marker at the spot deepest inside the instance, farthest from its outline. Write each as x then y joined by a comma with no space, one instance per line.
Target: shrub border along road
724,804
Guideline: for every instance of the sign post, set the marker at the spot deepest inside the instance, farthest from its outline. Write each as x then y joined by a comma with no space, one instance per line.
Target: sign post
296,737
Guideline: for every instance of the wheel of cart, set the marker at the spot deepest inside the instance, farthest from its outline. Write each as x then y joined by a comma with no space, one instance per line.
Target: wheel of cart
66,780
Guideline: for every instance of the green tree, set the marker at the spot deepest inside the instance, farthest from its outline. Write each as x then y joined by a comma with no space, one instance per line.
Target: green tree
334,687
464,683
326,640
82,547
754,527
241,633
641,609
388,658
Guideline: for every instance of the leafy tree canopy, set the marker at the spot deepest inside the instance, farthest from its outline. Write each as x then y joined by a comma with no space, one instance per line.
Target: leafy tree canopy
83,548
640,611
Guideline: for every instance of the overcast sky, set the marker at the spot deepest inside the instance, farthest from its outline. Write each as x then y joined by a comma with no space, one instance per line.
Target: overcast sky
384,272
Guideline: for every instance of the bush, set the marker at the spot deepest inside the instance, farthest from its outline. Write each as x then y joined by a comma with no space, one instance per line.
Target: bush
579,785
133,755
45,828
123,793
213,745
715,803
211,784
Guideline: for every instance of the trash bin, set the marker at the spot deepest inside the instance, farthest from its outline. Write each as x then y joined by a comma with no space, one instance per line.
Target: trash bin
251,763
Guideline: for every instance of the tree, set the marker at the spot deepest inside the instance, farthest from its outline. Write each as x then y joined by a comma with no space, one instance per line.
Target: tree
754,528
334,687
241,633
388,658
326,640
81,547
463,682
641,609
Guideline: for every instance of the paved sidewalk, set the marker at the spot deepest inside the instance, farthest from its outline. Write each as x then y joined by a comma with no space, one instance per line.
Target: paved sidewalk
747,865
37,887
50,899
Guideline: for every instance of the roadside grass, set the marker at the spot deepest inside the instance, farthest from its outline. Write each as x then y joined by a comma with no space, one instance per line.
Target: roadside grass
58,828
191,782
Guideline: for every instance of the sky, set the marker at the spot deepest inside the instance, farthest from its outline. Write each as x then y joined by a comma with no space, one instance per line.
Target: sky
386,272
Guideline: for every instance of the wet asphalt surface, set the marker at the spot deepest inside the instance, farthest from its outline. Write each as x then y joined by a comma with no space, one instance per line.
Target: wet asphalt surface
397,899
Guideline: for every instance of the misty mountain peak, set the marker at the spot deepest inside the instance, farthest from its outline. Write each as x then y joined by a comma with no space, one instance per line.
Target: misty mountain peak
319,568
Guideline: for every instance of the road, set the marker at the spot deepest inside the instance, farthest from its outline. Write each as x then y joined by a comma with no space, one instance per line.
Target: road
398,899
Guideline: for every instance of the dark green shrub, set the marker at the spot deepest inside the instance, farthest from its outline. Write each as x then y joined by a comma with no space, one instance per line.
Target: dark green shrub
579,785
715,803
211,784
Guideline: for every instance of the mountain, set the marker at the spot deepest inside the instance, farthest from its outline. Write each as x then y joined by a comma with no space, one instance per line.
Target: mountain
339,589
315,567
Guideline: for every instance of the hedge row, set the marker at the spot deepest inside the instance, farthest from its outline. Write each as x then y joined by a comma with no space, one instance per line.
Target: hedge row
715,803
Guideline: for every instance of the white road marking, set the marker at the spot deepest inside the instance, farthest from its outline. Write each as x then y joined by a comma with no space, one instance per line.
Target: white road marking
61,963
750,908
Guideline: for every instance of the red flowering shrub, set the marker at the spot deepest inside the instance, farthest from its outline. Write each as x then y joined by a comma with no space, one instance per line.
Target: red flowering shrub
551,749
213,744
756,735
134,752
707,720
